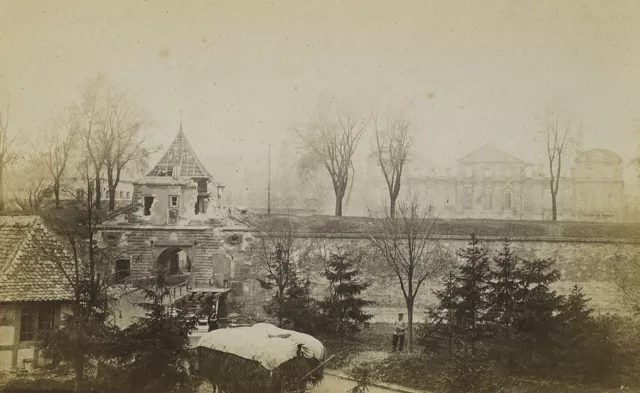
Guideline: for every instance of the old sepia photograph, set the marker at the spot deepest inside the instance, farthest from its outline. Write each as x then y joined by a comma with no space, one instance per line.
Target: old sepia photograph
319,196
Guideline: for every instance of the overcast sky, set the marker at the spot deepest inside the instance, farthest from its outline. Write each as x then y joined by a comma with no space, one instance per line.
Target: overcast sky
245,72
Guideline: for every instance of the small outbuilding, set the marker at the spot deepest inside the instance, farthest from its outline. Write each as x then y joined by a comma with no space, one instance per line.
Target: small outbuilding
34,291
260,358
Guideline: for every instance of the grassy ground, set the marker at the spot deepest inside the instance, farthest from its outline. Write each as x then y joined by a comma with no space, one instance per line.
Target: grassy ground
422,371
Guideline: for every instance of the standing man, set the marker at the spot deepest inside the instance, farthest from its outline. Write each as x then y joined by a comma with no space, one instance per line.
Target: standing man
398,333
213,319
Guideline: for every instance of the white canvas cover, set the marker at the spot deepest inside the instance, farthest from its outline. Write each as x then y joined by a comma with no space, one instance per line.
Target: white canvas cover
264,343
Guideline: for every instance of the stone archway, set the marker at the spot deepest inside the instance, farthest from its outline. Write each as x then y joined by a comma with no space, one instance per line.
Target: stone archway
176,263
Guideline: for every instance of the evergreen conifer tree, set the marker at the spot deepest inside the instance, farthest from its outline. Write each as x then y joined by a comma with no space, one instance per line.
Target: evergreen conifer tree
444,316
535,323
537,302
343,307
472,287
504,286
158,344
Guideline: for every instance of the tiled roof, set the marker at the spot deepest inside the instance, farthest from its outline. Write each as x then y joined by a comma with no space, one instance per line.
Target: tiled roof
488,154
180,158
30,260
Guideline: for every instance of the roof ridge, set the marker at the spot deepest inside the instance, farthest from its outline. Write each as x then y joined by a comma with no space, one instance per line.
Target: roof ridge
489,146
193,153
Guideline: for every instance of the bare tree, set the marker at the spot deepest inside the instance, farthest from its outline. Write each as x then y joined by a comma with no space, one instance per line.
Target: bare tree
112,135
31,182
89,268
60,146
90,121
393,141
6,155
408,245
557,135
281,255
124,143
332,144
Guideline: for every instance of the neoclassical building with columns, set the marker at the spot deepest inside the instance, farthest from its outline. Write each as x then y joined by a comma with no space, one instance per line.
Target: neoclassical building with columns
489,183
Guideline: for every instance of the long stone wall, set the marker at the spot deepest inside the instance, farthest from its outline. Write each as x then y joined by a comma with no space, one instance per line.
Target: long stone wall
583,252
587,263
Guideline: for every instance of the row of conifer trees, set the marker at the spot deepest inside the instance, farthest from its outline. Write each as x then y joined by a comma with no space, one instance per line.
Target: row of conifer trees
502,311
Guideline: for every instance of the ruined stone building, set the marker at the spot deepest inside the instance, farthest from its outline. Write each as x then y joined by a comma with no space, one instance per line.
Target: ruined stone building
489,183
176,222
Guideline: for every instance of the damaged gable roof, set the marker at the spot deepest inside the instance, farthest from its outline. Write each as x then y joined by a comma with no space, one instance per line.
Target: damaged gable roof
180,161
30,256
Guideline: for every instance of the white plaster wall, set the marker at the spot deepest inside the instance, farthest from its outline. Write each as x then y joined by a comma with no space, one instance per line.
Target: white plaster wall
6,335
6,356
25,354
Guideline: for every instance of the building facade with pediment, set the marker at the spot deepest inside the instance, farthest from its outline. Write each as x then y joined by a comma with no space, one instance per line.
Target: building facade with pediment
489,183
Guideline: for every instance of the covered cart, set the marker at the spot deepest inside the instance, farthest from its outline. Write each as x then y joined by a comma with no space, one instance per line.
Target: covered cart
260,358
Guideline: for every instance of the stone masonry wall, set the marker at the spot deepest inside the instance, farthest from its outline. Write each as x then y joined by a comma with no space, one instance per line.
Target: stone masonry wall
218,254
586,263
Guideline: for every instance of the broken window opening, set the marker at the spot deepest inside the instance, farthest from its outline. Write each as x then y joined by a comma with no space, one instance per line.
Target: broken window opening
201,205
148,202
123,269
162,172
234,239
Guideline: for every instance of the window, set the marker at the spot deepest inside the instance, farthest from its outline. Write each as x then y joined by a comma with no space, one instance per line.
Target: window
468,171
468,197
507,172
28,321
45,319
528,172
123,268
488,200
80,194
507,200
488,172
128,195
148,202
33,320
528,201
450,203
173,201
121,194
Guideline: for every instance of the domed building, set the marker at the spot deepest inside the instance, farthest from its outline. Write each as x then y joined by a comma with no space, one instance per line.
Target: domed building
598,186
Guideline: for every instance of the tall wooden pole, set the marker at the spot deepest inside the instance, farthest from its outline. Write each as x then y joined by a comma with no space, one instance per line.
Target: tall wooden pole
269,184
